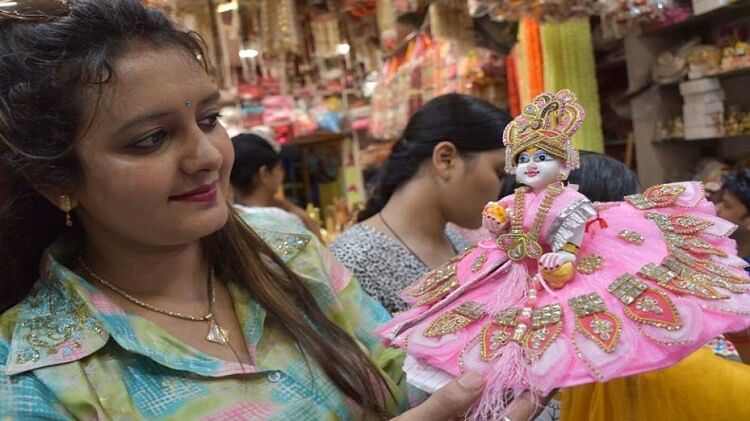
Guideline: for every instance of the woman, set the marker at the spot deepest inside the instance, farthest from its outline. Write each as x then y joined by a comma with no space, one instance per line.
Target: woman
154,299
258,175
446,166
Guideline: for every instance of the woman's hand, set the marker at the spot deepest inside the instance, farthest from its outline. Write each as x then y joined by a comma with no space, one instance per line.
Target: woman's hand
552,261
454,400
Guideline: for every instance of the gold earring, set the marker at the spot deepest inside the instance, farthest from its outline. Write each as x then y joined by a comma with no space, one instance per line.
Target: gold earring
562,176
66,207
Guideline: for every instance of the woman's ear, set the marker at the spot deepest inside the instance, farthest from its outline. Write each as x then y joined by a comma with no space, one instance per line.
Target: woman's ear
444,159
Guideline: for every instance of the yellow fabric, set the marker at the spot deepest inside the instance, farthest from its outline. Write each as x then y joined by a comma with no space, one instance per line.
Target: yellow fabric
703,387
568,59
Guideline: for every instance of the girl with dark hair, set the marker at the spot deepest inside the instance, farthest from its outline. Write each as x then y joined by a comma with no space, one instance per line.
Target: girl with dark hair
154,298
258,175
447,165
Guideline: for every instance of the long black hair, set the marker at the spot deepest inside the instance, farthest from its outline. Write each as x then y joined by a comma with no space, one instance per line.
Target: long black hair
473,125
602,178
251,153
46,70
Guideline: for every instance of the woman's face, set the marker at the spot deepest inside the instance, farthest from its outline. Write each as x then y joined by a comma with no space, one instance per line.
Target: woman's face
479,182
155,161
537,168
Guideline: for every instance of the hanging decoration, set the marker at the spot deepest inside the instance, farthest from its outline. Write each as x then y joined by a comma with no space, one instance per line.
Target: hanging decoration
531,59
569,64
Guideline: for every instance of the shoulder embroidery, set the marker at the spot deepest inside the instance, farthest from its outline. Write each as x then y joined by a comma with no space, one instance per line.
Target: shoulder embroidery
285,245
54,326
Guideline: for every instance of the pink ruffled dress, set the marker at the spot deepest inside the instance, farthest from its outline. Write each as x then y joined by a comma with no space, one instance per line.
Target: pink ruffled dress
656,278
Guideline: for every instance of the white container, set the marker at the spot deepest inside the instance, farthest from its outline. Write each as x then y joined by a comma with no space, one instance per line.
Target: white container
702,98
702,108
703,6
693,87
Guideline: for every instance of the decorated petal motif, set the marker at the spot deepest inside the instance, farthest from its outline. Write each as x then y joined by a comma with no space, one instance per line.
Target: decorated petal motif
590,264
595,322
657,196
455,320
688,282
679,224
725,273
631,237
438,293
432,280
698,274
538,340
686,224
535,250
693,244
493,338
534,329
644,304
687,259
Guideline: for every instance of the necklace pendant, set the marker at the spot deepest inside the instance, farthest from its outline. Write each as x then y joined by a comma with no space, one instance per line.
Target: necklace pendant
216,334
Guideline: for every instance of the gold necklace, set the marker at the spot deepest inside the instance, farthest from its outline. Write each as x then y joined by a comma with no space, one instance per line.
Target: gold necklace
519,244
216,333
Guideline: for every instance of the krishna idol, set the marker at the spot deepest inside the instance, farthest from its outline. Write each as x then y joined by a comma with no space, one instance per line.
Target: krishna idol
566,291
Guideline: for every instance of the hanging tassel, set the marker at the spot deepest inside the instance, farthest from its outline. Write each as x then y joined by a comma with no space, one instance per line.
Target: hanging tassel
512,291
509,368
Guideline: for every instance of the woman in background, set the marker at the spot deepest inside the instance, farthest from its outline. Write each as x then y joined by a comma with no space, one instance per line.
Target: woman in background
447,165
258,176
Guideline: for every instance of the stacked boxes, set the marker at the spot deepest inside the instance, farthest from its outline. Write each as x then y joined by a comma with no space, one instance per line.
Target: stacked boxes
703,108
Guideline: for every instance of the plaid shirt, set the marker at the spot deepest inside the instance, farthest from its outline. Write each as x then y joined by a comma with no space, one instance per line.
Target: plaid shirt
67,351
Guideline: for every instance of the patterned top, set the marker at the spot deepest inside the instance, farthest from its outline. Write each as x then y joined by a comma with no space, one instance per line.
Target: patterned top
383,266
68,351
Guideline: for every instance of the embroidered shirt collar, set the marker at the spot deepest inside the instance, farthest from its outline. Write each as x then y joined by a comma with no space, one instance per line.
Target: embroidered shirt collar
65,319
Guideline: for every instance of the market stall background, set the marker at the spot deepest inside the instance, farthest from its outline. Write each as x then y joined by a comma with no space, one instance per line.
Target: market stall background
662,80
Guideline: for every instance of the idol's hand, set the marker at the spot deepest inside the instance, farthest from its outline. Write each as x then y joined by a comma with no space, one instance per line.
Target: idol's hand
493,225
552,261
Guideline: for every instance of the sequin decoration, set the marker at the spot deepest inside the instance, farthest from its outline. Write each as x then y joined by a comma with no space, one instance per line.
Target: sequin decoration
657,196
285,245
645,305
432,280
686,224
686,280
455,320
679,224
693,244
438,293
492,338
648,305
590,264
594,321
45,332
478,263
546,315
631,237
626,288
513,325
538,340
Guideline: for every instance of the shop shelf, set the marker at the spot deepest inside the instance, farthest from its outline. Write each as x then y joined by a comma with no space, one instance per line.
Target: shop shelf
731,12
